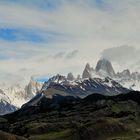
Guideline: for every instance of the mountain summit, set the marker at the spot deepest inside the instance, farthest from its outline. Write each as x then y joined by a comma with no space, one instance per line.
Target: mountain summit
88,72
70,76
104,67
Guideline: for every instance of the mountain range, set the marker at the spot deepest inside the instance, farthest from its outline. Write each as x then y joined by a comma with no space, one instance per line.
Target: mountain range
99,105
102,79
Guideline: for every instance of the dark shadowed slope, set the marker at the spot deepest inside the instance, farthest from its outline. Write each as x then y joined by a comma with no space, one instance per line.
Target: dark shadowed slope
96,117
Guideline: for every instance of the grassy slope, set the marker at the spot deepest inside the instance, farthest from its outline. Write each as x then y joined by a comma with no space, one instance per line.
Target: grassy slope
103,119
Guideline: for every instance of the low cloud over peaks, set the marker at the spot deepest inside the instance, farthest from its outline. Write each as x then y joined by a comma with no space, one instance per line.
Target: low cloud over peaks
123,55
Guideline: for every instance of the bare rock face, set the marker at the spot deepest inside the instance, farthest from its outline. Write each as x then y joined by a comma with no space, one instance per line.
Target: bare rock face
88,72
124,74
104,67
78,77
32,88
70,77
135,76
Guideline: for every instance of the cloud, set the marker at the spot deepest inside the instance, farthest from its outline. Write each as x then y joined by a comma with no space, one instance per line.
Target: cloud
9,78
93,19
18,51
66,55
58,36
121,54
72,54
59,55
125,55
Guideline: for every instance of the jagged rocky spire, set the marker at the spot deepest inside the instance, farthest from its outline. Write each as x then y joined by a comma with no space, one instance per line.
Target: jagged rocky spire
104,66
70,76
88,71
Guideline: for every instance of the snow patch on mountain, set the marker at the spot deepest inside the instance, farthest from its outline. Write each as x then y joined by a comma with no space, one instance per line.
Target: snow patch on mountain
83,87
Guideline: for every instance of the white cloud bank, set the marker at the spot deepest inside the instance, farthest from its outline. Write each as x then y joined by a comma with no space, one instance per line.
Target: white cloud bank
79,30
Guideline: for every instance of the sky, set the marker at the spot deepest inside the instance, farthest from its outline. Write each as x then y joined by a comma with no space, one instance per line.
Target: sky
46,37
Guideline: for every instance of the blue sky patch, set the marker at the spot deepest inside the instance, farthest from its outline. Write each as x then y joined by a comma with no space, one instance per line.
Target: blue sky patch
99,3
11,34
42,80
30,35
42,4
